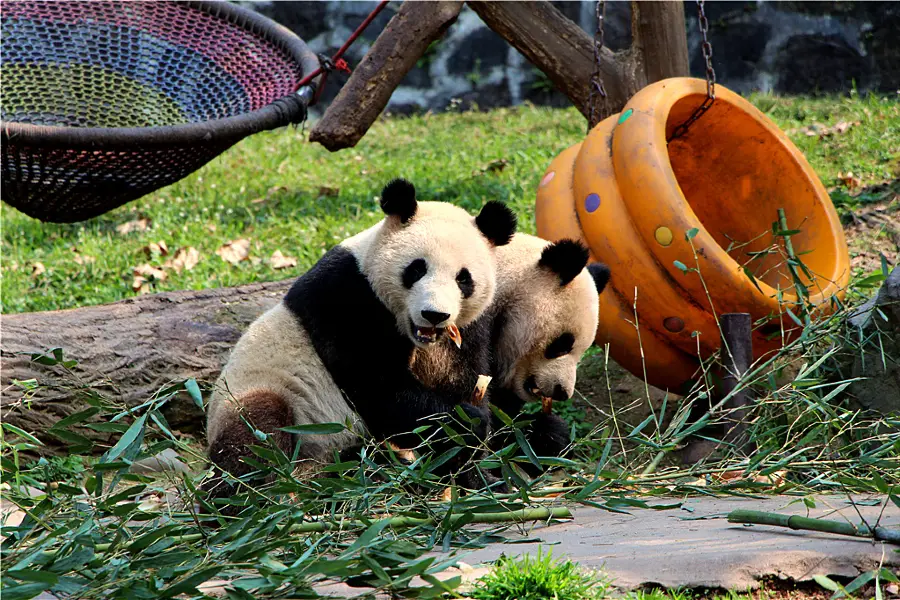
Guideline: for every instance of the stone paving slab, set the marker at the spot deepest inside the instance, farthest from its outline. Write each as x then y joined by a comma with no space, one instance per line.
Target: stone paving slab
666,548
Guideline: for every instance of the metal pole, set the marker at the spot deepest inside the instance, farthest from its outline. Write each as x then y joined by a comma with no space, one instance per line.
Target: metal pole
737,355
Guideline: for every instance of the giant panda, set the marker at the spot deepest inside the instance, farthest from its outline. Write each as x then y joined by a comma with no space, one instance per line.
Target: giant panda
545,316
363,336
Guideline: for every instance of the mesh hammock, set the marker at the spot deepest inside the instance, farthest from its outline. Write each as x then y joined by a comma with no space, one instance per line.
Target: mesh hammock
106,101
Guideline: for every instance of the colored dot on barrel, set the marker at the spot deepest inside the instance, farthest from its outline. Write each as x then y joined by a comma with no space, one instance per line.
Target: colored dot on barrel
625,115
673,324
592,203
548,178
664,236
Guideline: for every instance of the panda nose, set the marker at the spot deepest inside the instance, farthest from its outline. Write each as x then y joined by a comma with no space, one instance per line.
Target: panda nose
559,394
435,317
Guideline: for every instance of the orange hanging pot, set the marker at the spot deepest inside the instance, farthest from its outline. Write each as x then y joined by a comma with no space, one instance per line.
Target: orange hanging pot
686,227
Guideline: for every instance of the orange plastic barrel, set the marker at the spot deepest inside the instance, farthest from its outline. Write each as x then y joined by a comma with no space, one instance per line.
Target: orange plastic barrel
658,212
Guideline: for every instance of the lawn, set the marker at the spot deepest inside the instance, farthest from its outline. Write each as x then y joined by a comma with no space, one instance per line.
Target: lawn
285,195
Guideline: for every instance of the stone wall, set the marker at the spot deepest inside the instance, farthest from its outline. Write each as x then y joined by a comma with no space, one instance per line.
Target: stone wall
785,47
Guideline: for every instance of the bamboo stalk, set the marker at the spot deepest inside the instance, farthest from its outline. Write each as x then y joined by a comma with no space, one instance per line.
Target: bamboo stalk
757,517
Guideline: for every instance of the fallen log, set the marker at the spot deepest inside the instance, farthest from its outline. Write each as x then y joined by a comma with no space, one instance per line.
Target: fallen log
124,351
396,51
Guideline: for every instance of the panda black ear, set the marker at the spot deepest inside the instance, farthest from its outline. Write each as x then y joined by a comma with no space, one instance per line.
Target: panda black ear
497,222
566,258
600,273
398,198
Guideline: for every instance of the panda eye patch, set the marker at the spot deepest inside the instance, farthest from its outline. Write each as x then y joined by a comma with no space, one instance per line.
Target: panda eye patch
465,283
560,346
413,272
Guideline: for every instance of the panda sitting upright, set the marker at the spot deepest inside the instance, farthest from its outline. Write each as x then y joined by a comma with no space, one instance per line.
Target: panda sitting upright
363,335
545,316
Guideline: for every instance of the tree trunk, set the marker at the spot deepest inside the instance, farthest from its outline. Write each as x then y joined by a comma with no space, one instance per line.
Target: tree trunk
659,39
125,351
402,43
563,51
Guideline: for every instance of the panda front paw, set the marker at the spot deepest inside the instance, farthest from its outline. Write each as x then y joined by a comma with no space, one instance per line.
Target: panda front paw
548,435
480,418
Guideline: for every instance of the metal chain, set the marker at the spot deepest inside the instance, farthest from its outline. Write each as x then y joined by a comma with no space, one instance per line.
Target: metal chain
596,85
706,48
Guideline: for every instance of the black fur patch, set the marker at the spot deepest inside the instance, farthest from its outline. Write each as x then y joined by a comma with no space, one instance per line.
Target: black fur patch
415,271
566,258
547,434
560,346
369,359
266,411
398,198
600,273
497,222
465,282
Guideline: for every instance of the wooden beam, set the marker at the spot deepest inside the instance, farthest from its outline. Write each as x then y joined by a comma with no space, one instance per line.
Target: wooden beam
402,43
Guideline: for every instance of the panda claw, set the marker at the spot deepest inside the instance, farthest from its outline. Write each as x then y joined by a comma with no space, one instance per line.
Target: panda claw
481,387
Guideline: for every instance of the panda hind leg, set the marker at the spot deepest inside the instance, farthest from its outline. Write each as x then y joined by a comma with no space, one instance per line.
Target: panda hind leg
266,411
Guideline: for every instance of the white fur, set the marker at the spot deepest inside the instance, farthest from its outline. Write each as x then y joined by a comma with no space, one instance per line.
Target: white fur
538,310
441,234
276,354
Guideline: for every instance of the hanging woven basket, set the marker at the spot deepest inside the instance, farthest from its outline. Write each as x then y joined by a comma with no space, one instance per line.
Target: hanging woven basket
656,211
106,101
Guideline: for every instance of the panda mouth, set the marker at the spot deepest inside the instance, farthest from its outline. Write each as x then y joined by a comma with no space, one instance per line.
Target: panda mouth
426,335
430,335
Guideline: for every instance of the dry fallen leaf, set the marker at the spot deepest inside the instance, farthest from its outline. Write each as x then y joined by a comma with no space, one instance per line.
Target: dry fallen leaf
184,258
328,191
148,271
156,248
82,259
838,128
849,181
140,285
141,224
235,251
280,261
38,269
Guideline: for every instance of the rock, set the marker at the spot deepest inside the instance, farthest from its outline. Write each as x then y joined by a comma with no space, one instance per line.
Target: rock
167,460
820,63
738,49
477,53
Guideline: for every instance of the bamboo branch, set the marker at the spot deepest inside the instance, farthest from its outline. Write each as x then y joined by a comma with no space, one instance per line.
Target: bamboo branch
512,516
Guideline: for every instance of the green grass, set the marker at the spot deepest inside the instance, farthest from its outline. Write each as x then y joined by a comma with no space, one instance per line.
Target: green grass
286,194
540,578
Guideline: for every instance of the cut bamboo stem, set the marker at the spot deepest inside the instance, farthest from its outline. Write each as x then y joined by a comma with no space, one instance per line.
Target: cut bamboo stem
757,517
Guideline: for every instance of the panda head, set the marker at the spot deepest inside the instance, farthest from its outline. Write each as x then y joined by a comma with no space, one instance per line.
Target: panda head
432,264
552,318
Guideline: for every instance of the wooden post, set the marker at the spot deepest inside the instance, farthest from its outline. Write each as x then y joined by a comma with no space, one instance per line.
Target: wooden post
659,39
737,356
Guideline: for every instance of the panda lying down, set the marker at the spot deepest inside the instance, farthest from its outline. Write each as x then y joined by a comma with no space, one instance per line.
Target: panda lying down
395,325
